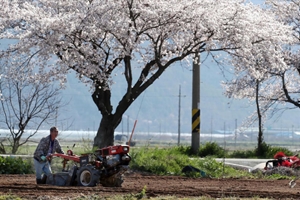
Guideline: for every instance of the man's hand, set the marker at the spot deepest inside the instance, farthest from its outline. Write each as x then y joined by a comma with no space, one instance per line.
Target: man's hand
49,156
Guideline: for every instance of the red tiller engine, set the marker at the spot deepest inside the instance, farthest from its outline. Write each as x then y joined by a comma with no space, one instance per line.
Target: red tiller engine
282,160
106,166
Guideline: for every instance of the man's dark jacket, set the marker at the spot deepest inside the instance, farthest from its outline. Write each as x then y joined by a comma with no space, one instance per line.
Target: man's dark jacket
43,148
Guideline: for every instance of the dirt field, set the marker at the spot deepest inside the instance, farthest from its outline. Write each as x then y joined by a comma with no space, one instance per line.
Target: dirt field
24,186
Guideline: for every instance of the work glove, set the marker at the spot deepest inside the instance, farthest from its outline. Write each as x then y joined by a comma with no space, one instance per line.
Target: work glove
43,158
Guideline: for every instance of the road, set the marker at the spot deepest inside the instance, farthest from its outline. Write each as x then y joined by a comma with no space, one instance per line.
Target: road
244,163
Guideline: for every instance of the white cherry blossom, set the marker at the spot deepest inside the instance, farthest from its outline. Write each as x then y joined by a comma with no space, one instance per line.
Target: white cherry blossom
94,38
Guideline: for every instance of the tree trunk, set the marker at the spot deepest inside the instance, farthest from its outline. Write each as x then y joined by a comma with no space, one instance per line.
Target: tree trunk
102,99
105,133
15,145
260,149
109,121
2,148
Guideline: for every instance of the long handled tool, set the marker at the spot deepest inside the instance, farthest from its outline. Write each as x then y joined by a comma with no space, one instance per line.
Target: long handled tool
132,132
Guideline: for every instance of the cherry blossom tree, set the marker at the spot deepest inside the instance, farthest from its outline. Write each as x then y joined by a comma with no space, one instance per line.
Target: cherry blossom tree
288,12
278,86
97,39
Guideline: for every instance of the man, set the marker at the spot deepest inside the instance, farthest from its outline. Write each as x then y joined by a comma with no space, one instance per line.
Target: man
43,154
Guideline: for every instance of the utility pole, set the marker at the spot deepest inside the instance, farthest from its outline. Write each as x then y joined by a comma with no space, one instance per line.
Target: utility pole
211,129
224,134
122,126
179,106
127,126
56,114
196,104
235,133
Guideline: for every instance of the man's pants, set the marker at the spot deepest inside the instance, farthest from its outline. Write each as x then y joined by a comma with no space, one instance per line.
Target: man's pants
41,168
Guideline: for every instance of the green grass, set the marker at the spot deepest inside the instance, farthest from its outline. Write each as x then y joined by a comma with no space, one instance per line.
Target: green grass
171,161
9,197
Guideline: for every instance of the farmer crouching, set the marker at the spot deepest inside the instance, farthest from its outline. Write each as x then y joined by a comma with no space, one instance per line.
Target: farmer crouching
43,154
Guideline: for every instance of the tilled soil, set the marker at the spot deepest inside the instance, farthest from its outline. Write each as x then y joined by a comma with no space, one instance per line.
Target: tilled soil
24,186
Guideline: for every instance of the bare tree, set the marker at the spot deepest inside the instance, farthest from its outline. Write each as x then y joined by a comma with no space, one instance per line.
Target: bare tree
26,103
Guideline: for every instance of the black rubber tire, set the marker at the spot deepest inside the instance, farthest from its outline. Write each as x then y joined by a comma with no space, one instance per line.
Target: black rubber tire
88,176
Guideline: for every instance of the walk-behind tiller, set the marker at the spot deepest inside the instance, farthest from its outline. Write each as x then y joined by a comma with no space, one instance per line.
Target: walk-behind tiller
105,166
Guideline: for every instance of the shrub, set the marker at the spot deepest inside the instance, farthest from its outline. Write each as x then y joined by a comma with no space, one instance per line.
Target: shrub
158,161
242,154
271,151
268,152
186,150
211,149
15,165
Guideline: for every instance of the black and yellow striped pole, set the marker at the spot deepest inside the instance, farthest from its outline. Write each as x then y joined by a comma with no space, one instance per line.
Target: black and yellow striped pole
196,120
196,104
